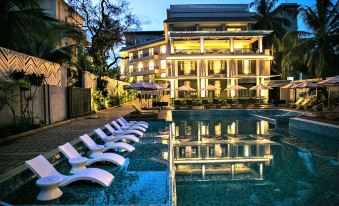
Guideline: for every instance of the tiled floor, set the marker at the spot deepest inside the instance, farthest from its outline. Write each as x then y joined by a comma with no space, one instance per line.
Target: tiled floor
14,152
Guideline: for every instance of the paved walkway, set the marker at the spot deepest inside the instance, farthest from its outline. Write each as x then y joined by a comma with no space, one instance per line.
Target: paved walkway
14,152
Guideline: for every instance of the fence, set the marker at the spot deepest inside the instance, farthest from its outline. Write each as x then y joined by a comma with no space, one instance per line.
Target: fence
79,101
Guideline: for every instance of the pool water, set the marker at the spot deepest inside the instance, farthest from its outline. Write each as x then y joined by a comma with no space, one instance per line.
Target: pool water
238,159
142,180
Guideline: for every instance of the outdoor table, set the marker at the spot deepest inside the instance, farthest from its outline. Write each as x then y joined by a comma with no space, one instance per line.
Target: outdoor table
78,164
49,188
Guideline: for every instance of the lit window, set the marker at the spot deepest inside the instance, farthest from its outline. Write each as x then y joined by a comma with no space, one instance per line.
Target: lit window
163,64
130,68
140,66
140,53
163,49
151,51
151,65
130,56
163,75
233,29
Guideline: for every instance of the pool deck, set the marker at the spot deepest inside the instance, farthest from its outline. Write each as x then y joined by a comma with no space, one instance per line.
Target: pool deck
16,149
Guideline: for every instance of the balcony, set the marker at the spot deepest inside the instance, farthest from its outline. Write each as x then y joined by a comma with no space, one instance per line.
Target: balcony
145,56
246,51
247,72
187,51
224,51
217,51
145,71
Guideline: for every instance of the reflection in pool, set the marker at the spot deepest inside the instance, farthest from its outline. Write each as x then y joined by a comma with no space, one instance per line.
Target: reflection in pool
241,160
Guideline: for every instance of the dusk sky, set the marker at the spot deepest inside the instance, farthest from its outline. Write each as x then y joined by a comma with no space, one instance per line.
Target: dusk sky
152,13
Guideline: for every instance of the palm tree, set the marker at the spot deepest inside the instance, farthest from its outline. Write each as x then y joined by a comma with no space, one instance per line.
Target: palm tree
26,28
266,17
321,43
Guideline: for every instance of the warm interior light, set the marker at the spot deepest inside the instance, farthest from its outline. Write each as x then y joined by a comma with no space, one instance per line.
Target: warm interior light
163,64
163,49
140,66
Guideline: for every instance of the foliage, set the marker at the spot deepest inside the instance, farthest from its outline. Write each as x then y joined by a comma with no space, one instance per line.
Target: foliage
28,84
98,101
106,22
266,18
321,44
25,27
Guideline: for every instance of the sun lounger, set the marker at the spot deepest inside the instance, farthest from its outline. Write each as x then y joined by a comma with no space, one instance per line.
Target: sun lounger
130,131
112,139
140,123
140,113
97,149
42,168
133,127
76,160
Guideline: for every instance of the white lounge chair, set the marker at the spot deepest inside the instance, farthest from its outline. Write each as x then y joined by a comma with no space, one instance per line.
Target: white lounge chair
97,149
112,139
79,162
130,131
42,168
133,127
145,124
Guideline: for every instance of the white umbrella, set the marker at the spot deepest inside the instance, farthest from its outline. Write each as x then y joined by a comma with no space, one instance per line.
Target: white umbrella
186,88
331,80
305,85
235,87
209,87
289,86
328,82
260,87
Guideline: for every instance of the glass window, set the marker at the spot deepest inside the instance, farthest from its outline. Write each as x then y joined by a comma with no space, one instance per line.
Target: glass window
233,29
151,65
151,51
163,49
163,64
130,56
140,53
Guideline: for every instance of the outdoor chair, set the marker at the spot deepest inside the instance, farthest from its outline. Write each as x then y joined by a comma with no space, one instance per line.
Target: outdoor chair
217,103
141,123
97,149
298,102
42,168
136,127
177,104
79,162
206,104
129,131
140,113
111,140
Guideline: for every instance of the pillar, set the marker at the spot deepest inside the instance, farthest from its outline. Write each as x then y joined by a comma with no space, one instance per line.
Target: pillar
232,44
171,46
202,48
260,44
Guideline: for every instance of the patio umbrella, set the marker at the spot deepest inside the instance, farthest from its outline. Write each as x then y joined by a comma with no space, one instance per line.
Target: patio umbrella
139,86
186,89
305,85
209,87
235,87
332,81
291,86
260,87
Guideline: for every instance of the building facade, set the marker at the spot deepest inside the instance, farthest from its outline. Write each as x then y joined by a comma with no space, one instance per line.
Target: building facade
202,44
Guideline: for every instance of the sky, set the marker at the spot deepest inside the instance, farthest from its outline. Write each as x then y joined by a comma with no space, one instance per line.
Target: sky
152,13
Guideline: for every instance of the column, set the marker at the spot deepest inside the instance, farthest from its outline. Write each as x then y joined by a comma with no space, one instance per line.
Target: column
176,88
171,46
260,44
232,44
203,171
202,48
198,77
261,170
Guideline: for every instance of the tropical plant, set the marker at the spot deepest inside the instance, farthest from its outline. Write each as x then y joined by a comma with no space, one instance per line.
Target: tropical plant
266,17
321,43
25,27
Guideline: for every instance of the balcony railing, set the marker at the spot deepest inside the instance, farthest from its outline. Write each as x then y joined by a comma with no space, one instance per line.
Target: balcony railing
187,51
218,51
250,71
245,50
146,69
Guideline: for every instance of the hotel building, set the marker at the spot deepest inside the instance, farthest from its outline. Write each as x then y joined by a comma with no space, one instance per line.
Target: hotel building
202,44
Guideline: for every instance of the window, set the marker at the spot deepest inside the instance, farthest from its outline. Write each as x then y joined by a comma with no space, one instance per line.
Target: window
163,64
130,68
140,54
233,29
208,29
130,56
151,51
140,66
163,49
151,65
163,75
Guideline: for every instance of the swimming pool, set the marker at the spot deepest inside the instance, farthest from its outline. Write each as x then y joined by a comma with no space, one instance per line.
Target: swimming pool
217,157
235,158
